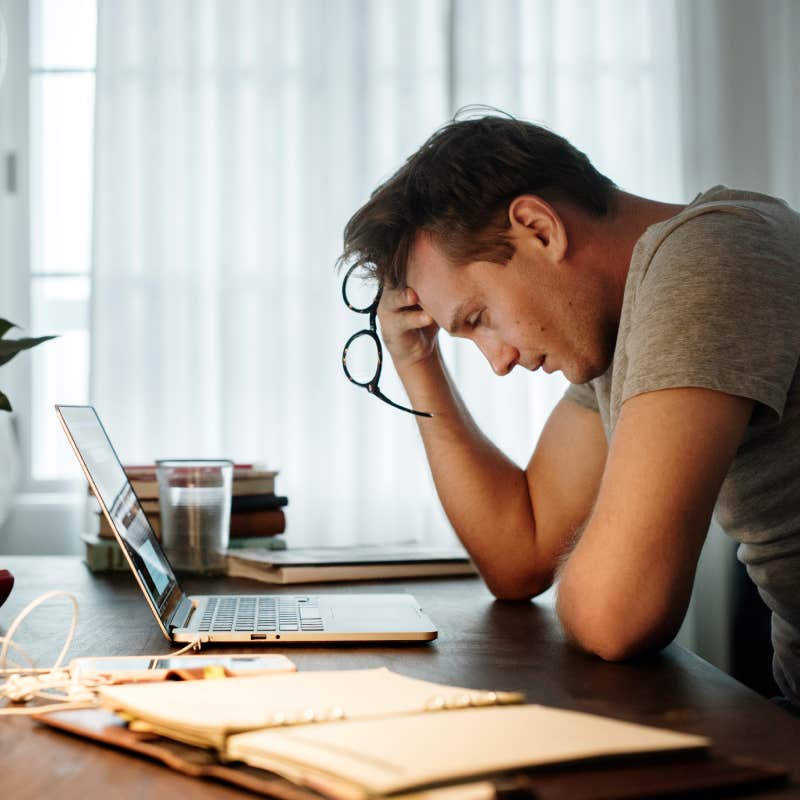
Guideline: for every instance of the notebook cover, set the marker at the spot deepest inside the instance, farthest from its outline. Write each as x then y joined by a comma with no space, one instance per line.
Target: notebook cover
708,775
106,727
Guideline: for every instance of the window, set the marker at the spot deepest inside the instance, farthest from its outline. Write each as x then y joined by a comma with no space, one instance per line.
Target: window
46,152
61,106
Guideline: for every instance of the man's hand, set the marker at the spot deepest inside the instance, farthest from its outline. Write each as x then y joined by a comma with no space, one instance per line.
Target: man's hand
408,332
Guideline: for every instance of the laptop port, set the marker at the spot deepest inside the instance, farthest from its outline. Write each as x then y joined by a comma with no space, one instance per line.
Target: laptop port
258,636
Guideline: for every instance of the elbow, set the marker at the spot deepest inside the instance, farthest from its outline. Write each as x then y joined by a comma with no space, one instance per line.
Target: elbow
517,587
616,648
512,593
608,633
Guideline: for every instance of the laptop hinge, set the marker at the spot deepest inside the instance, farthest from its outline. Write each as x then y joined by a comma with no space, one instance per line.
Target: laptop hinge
180,617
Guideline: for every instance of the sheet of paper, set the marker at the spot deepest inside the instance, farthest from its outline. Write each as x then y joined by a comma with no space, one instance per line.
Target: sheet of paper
210,710
358,758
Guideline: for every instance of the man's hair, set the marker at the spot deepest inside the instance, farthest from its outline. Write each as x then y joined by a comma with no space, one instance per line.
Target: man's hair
458,187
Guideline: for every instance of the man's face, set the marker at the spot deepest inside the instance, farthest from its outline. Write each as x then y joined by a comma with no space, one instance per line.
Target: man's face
533,311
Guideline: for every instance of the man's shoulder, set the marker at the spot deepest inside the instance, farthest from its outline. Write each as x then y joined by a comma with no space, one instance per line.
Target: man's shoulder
729,229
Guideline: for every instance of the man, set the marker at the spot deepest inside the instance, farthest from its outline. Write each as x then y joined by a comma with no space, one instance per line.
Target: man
678,329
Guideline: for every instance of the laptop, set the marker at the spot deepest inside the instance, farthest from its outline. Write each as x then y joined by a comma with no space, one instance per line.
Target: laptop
282,618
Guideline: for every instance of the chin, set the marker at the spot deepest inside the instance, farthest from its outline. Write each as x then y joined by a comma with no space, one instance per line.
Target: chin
583,373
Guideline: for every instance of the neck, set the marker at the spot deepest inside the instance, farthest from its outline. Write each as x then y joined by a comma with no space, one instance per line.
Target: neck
606,244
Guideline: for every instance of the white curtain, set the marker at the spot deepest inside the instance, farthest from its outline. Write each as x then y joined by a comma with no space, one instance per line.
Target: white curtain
234,138
740,92
740,111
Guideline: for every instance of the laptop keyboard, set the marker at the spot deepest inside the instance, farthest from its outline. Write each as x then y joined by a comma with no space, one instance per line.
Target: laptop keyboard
260,615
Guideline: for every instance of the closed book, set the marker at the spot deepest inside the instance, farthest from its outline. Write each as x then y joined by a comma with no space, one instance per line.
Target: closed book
360,562
255,483
274,542
247,480
257,523
244,525
103,555
257,502
105,531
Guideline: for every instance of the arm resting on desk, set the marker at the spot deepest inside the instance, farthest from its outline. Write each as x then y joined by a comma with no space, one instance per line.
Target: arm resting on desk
515,523
627,584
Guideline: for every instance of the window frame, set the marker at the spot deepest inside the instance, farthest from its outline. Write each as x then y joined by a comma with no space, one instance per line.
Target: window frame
48,515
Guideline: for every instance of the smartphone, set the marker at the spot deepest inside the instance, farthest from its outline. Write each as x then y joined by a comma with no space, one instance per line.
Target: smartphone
153,667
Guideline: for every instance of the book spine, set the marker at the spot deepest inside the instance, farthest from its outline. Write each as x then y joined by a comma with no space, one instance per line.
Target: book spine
102,555
258,502
105,531
244,524
148,489
274,542
261,569
257,523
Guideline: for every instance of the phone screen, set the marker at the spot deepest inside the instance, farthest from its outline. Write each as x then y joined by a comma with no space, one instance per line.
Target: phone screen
141,663
238,663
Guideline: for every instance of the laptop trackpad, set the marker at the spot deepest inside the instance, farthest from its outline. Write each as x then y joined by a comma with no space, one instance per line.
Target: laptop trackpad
378,617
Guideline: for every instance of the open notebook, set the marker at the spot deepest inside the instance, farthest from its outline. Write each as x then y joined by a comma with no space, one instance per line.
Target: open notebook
368,733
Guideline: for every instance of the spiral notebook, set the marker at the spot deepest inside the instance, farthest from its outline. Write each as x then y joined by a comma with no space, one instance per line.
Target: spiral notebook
357,734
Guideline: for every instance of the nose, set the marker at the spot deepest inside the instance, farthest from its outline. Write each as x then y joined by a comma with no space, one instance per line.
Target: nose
502,357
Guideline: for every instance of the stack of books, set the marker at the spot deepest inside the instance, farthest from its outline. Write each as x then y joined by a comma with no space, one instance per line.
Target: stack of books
257,515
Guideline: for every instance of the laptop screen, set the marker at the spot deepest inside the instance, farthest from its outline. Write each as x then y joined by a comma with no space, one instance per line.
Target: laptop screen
115,493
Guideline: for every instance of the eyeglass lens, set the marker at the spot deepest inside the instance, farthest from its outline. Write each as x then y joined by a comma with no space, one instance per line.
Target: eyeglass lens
360,290
362,359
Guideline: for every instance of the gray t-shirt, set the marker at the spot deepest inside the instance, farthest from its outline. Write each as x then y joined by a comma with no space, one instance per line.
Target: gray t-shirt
712,300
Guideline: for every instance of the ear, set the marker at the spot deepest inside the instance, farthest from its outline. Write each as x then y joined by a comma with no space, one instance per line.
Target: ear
537,223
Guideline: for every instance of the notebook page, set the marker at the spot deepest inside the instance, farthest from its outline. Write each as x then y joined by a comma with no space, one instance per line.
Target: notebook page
207,711
354,759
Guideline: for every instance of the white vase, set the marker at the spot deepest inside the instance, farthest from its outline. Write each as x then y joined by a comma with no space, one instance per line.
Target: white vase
10,466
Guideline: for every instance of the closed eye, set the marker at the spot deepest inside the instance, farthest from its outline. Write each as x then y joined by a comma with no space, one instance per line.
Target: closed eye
475,320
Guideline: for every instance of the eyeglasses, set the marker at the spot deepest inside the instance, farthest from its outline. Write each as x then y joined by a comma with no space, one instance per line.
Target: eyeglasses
367,362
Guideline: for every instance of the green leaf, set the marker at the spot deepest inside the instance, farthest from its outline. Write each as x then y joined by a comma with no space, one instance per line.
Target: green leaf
5,405
5,327
10,347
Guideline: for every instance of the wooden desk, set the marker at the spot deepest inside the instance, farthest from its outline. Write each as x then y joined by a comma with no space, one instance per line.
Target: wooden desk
482,644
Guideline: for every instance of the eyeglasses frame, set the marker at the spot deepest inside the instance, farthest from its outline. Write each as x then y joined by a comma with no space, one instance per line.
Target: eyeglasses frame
371,385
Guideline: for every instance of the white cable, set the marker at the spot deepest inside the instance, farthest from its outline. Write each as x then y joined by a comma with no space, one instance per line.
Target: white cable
26,683
195,644
52,683
18,620
21,650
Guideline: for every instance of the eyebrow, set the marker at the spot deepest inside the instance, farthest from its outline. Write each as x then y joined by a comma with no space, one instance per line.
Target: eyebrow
455,319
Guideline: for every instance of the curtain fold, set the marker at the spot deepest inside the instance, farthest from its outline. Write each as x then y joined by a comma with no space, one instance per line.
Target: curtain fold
740,73
740,121
233,141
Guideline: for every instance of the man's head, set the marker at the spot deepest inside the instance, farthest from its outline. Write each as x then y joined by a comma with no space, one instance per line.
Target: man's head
477,214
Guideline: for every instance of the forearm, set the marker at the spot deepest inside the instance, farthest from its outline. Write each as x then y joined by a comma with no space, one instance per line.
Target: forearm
484,494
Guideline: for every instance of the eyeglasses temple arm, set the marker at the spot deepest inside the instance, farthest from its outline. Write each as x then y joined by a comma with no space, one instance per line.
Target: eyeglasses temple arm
377,392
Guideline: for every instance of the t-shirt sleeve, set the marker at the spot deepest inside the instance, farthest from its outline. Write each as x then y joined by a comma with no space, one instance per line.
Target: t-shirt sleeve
717,309
583,394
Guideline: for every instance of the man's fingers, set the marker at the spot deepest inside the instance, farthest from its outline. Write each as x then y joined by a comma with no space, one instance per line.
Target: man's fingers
417,319
401,299
408,331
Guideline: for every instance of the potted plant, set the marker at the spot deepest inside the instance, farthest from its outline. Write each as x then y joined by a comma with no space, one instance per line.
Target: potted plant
8,451
9,348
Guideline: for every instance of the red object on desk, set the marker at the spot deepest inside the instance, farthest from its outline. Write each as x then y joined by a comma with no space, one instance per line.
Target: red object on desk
6,584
